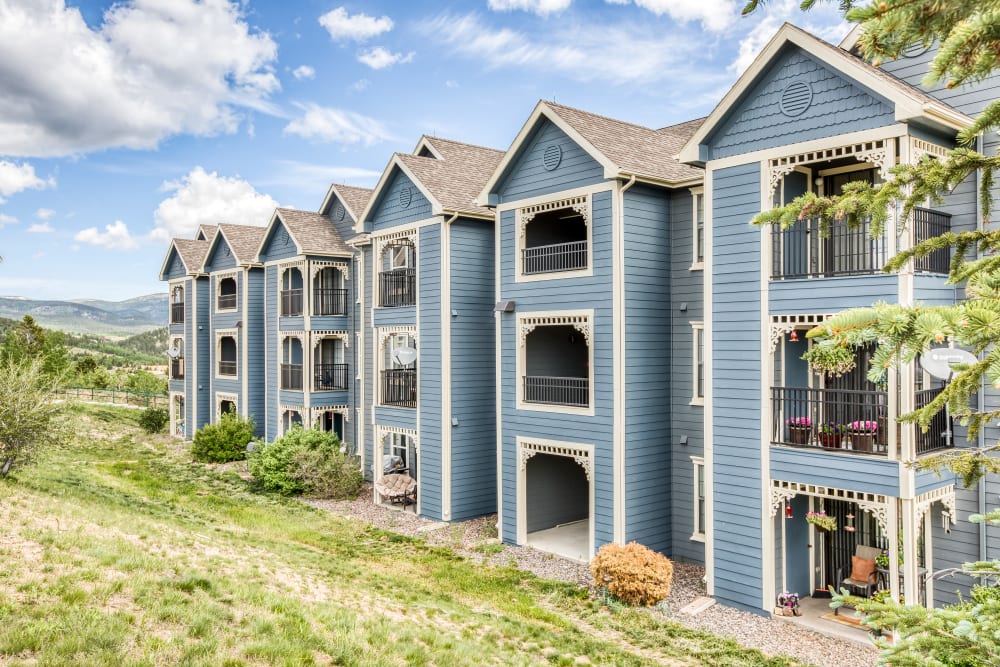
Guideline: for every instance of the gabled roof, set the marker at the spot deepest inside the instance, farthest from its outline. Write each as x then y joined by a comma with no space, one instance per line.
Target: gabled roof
313,233
450,184
206,232
192,254
623,149
910,103
243,240
354,199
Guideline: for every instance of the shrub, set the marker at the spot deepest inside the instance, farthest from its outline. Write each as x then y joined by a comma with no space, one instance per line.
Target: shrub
305,461
226,440
152,420
633,573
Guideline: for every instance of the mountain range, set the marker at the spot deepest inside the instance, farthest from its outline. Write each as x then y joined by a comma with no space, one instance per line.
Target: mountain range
94,316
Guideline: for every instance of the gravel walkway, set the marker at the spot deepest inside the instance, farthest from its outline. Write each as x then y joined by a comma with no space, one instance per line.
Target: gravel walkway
476,539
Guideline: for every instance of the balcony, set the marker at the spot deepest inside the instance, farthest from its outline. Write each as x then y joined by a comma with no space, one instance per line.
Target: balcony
177,369
399,387
573,392
227,368
291,376
556,257
329,376
800,252
397,288
291,302
177,313
846,420
328,301
227,302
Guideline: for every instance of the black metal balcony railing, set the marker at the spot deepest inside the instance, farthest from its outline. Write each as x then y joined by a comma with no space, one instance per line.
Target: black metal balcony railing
227,301
330,376
556,257
928,224
855,421
177,369
291,376
327,301
291,302
399,387
177,313
227,368
397,288
799,252
936,436
557,390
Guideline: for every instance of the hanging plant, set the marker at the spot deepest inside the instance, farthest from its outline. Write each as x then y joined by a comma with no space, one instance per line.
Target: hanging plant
822,521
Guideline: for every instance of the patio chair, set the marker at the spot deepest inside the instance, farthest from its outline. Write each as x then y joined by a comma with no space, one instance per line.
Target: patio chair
398,488
860,575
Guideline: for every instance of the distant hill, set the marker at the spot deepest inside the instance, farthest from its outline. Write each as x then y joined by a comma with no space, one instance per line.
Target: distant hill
116,318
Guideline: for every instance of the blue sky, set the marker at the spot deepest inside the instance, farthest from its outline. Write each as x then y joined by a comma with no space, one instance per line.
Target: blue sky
124,124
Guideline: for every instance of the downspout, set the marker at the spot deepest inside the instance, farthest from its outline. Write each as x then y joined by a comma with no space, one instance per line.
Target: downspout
621,380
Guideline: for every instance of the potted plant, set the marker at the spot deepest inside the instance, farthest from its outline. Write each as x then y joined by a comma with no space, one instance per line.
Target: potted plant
830,434
822,522
862,434
787,604
799,429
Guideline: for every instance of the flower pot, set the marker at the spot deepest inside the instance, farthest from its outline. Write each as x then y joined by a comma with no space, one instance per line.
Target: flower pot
862,442
798,435
830,440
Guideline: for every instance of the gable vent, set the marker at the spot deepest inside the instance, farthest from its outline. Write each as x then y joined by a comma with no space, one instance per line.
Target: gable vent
796,98
551,157
405,197
339,212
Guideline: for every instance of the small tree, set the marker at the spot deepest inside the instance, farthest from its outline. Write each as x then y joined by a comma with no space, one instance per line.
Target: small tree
30,417
306,461
152,420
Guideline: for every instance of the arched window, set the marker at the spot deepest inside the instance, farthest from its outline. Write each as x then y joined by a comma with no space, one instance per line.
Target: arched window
177,305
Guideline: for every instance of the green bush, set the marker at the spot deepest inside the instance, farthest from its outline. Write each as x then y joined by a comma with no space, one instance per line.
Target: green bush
152,420
306,461
226,440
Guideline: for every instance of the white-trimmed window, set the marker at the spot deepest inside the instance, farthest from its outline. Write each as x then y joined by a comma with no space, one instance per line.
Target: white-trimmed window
698,498
698,228
227,350
226,292
398,368
697,363
176,353
226,403
555,362
554,239
177,304
291,292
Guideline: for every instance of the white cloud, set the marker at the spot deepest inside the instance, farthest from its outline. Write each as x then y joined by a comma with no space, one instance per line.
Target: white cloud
151,69
44,213
360,85
114,237
379,58
40,228
201,197
303,72
621,53
540,7
311,178
17,177
7,220
332,125
451,83
359,27
823,20
714,15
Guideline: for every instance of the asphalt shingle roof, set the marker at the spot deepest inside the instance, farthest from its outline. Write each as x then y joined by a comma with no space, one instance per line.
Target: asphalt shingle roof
192,253
635,149
457,179
314,234
243,240
355,199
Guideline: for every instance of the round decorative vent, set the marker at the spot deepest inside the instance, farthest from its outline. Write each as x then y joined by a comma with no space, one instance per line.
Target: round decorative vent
284,238
405,197
796,98
226,251
551,157
339,211
915,50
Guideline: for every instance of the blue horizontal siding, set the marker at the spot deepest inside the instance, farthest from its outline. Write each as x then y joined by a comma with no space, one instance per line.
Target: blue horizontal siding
829,295
398,317
870,474
278,244
389,210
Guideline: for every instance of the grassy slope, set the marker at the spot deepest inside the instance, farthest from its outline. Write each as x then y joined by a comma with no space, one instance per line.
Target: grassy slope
117,550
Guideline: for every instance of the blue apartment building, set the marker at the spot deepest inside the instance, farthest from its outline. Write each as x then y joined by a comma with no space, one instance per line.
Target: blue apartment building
584,335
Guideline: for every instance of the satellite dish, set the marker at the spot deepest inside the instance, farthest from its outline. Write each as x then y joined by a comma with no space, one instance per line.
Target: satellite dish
173,352
940,362
404,356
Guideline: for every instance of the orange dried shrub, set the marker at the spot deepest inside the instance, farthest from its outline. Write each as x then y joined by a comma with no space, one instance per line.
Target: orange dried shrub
633,573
